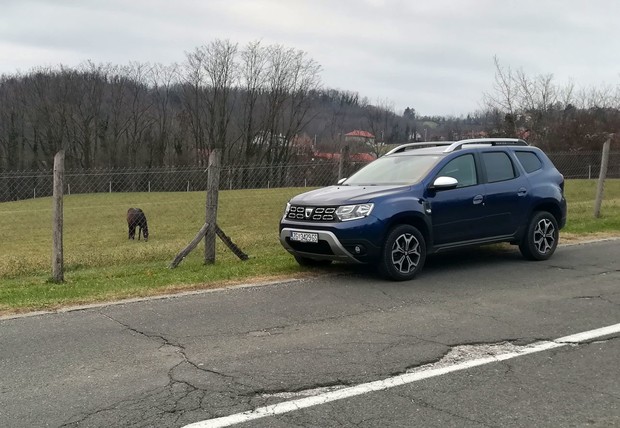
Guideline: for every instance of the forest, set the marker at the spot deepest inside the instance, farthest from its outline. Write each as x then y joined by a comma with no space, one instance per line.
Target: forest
261,105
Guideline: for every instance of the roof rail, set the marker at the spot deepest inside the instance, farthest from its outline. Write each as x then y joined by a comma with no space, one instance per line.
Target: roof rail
490,141
404,147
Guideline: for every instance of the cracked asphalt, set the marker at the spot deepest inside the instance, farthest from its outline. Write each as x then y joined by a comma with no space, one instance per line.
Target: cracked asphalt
174,361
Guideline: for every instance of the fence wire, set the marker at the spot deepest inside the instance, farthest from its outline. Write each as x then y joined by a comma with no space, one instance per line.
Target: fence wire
19,185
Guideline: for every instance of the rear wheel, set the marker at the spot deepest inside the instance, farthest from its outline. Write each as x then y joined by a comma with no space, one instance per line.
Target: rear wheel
404,253
541,237
307,262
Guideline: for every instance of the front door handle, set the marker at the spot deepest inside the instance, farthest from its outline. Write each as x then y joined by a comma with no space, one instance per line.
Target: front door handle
478,199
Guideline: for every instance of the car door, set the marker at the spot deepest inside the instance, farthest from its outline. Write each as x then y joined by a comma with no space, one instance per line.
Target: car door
457,213
506,192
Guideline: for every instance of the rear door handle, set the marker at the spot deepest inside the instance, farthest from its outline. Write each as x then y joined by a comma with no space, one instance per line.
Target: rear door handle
522,191
478,199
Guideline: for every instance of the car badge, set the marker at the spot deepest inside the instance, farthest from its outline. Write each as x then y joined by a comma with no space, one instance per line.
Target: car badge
309,212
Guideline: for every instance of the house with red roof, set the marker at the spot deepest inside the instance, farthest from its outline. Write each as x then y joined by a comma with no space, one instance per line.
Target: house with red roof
358,142
359,136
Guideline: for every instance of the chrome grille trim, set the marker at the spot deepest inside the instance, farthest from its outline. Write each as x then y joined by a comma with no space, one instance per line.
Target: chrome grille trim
318,214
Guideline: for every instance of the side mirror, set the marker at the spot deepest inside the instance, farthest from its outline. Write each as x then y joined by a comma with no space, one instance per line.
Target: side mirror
444,183
342,180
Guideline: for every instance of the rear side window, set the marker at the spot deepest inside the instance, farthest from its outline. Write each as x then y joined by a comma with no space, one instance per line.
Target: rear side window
498,166
529,161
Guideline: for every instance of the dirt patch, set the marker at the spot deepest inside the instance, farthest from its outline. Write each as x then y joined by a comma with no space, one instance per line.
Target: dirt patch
573,238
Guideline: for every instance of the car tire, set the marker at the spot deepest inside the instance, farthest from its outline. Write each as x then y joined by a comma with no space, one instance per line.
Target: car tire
307,262
403,254
541,237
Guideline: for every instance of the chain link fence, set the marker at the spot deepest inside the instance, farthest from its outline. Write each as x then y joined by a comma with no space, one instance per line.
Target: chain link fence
19,185
585,164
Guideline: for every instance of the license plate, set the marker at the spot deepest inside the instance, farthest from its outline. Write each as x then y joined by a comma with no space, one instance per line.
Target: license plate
305,237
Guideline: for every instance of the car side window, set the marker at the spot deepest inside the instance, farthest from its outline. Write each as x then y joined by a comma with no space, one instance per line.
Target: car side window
463,169
498,166
529,161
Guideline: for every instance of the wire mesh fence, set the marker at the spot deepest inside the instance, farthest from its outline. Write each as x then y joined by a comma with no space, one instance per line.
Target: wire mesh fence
19,185
585,164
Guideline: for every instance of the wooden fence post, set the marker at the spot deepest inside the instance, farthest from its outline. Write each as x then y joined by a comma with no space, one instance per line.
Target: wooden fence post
601,179
342,163
57,220
185,251
213,186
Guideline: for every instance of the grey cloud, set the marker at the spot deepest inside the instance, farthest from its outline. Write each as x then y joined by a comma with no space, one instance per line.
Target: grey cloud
434,56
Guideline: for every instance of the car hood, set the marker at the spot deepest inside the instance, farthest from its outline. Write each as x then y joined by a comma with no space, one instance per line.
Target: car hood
343,195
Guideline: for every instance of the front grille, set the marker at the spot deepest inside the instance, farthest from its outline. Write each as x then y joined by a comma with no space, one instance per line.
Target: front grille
304,213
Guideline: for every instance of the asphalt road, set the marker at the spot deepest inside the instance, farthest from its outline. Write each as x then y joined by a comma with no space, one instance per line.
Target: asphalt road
175,361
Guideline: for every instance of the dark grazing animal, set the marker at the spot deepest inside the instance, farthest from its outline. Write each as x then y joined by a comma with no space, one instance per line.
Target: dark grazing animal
136,218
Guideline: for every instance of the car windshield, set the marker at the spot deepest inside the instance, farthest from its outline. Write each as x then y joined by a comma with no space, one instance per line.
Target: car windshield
402,169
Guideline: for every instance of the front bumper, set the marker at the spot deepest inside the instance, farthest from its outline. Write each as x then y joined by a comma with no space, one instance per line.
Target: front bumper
328,248
350,242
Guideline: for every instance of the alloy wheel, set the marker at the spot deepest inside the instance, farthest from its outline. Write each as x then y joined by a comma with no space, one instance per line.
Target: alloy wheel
406,253
544,236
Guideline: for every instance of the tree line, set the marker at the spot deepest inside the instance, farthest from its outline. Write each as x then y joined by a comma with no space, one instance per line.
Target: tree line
250,102
261,105
556,117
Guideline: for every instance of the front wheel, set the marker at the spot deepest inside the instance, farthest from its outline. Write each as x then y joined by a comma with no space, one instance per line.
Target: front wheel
541,237
404,253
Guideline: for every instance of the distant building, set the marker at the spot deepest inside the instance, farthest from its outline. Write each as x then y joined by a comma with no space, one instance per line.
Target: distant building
358,136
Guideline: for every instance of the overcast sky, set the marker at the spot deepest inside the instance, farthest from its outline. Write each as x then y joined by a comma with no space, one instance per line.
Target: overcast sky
434,55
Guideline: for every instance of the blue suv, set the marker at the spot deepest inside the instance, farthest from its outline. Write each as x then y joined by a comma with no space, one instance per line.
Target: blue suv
423,198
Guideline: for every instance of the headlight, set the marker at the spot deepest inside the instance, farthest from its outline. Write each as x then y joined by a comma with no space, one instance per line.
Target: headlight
353,212
287,209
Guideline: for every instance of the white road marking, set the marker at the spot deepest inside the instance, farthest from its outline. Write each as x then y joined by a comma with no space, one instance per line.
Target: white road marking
379,385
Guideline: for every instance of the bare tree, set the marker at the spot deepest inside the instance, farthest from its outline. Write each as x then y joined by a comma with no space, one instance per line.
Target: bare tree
195,113
253,77
115,121
528,103
12,122
139,106
48,103
504,95
220,71
163,80
90,81
292,77
382,122
306,82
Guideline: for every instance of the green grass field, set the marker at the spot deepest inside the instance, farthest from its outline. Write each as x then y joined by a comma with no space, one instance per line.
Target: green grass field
101,264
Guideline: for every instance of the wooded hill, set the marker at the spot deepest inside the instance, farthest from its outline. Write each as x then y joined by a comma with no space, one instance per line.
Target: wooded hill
260,105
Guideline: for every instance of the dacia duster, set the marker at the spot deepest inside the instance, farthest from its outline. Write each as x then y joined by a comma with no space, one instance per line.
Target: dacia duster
423,198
